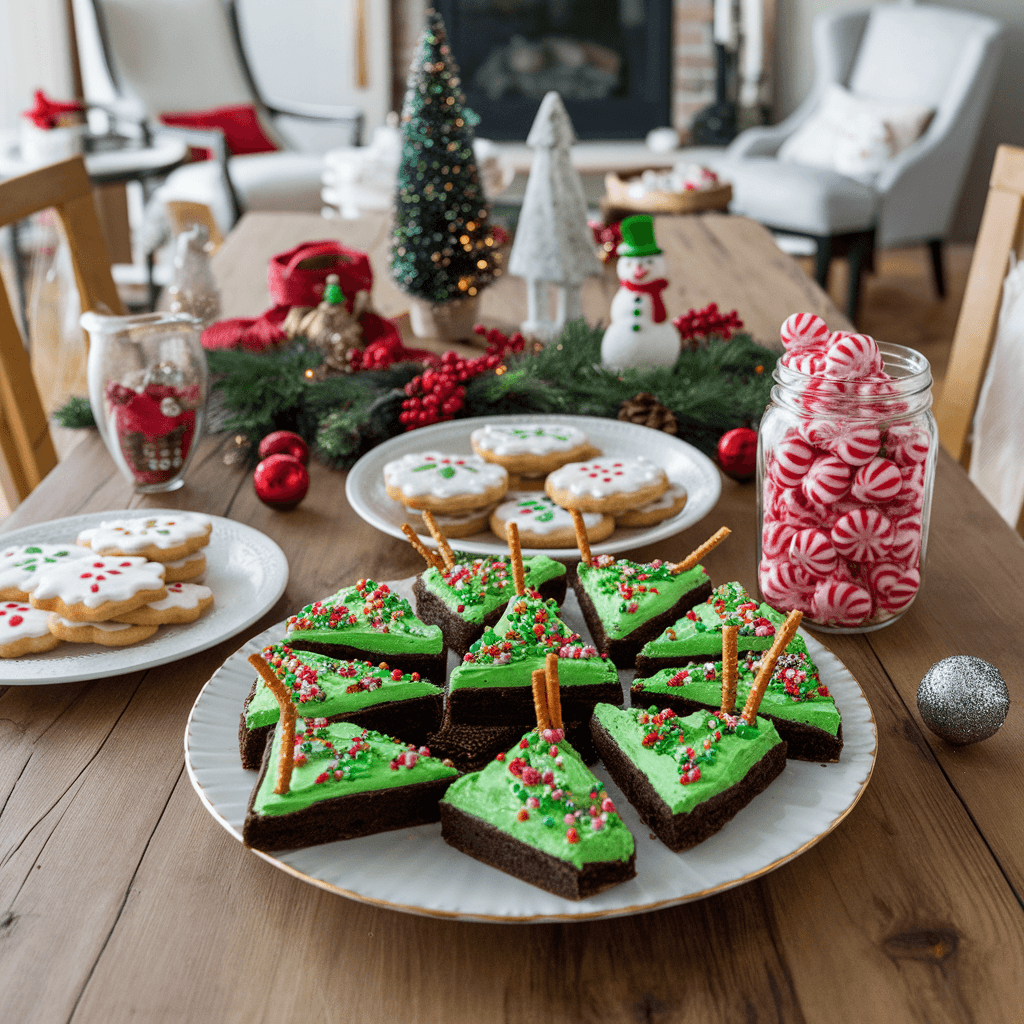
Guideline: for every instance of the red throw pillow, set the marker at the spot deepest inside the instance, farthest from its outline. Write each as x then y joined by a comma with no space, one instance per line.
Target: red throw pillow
240,125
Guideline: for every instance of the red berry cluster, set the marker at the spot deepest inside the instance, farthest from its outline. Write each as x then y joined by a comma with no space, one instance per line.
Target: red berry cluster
607,238
701,323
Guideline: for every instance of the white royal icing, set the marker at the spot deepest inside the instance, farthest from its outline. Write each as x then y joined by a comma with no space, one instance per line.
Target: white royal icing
94,581
443,476
537,513
528,438
674,493
21,622
20,566
105,627
181,595
140,532
603,477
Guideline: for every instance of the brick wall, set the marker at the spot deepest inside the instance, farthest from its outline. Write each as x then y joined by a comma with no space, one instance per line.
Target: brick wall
693,73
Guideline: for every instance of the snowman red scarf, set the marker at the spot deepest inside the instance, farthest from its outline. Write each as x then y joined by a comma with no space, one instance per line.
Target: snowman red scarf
654,289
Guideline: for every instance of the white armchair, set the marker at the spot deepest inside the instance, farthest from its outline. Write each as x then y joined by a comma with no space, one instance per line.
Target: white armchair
941,59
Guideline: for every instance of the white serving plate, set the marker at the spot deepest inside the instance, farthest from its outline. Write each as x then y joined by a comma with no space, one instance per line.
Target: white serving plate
683,463
415,871
245,569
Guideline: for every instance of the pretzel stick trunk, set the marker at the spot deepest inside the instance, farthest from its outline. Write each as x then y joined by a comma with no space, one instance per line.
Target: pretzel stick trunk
540,699
442,541
582,541
695,556
764,675
421,549
286,760
512,532
554,694
730,669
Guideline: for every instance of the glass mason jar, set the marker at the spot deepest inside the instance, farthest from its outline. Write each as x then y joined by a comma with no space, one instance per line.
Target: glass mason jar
148,382
845,470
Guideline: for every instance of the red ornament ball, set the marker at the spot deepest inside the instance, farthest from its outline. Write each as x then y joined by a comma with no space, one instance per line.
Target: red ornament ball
284,442
281,481
737,453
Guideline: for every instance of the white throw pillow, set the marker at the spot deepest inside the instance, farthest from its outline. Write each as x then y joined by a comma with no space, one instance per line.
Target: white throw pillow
854,135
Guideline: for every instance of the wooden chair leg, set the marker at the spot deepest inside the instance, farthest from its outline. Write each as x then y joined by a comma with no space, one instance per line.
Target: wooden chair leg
938,270
859,257
823,260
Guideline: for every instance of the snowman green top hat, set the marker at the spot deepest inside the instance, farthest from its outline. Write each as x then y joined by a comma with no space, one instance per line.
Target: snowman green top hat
638,237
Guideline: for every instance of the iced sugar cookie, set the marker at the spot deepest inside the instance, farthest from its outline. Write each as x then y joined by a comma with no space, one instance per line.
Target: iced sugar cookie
20,566
187,569
461,524
654,512
444,483
158,538
609,485
109,634
24,630
184,602
533,449
96,589
543,524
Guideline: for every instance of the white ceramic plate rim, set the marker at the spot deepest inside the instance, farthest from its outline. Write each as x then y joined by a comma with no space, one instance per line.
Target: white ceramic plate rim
71,663
688,466
393,869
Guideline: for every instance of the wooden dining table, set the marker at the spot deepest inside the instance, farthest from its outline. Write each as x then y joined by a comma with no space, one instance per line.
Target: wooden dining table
122,899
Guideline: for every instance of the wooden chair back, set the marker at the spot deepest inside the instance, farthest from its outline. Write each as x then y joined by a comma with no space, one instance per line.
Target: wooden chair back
183,214
1002,230
25,441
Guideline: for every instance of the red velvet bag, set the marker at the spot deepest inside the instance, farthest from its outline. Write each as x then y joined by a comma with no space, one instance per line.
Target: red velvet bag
297,277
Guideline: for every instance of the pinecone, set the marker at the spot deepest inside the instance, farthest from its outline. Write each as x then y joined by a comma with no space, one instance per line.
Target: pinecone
645,409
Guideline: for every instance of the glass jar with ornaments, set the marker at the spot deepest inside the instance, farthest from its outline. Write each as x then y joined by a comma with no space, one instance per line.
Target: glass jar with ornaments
845,467
148,382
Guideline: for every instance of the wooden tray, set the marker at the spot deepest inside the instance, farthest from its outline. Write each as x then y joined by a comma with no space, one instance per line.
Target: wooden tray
616,198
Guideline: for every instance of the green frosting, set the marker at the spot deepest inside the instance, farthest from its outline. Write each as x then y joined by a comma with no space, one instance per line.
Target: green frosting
339,759
326,687
699,632
474,587
519,643
542,794
627,594
369,617
794,693
709,753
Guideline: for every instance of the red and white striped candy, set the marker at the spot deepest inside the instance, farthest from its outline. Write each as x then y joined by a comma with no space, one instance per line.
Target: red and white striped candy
827,480
791,508
911,494
906,544
851,356
894,586
879,480
806,361
804,330
841,604
775,538
906,444
791,458
855,443
785,586
829,515
813,551
863,535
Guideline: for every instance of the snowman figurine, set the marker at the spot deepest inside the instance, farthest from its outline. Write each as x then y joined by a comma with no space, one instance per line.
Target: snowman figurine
640,333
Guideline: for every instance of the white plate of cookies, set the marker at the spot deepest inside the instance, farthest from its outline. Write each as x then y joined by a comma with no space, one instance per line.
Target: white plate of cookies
107,593
633,485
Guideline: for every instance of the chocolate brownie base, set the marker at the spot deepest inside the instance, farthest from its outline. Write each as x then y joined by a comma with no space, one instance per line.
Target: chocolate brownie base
431,667
684,830
648,666
806,743
459,634
408,720
343,817
624,650
486,705
485,843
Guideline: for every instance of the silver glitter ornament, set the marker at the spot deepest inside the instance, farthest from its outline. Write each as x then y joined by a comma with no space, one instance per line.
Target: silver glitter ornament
963,699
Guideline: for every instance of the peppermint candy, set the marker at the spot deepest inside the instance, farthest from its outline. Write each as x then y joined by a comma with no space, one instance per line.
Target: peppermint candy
804,330
829,515
863,535
792,457
775,538
813,550
792,509
851,356
827,480
855,443
906,543
906,444
894,586
785,586
809,362
841,604
877,481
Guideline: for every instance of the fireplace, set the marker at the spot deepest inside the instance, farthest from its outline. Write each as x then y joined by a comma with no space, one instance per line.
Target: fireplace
609,60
